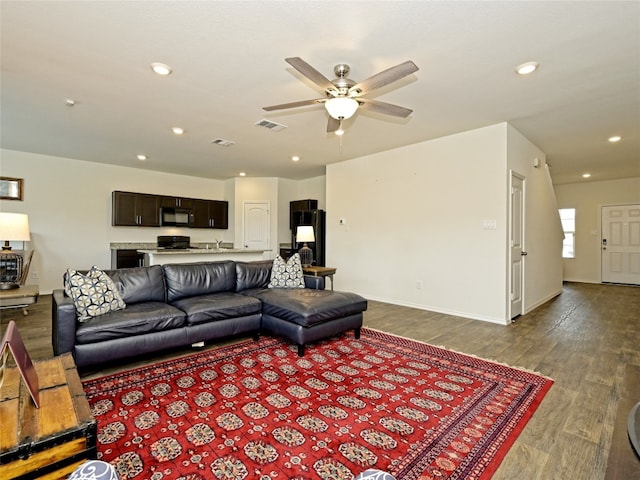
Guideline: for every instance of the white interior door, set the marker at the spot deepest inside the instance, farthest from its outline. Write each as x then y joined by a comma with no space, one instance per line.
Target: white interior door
620,244
516,234
257,220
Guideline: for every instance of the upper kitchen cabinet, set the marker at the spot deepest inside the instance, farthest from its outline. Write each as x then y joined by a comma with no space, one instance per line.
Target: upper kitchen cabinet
210,214
135,209
178,202
297,206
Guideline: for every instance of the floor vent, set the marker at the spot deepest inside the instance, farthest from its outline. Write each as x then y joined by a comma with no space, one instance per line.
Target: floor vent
222,142
276,127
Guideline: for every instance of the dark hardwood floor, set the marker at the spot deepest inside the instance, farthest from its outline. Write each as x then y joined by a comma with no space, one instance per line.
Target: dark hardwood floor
587,340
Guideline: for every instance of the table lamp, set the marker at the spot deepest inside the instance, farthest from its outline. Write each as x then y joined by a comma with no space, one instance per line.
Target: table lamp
305,234
14,227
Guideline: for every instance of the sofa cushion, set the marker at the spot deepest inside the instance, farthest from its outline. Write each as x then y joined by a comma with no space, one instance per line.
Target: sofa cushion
253,274
93,293
308,307
137,319
287,274
139,284
192,279
217,306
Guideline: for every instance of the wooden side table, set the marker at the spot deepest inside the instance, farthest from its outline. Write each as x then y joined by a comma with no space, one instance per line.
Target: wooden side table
320,272
51,441
20,297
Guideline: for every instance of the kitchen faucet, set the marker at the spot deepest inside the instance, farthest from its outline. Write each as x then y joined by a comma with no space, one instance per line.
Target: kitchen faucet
218,242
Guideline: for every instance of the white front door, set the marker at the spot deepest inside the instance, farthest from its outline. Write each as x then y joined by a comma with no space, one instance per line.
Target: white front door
516,234
620,244
257,220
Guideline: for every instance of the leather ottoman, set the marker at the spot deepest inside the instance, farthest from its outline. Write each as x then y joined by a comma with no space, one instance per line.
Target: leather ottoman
306,315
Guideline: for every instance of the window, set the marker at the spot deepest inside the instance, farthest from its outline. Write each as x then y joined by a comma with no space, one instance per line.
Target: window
568,219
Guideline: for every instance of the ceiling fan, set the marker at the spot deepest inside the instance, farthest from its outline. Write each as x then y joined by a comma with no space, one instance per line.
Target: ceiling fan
344,96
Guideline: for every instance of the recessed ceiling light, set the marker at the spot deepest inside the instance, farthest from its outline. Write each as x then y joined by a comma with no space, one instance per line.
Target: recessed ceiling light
177,130
242,174
295,158
141,157
586,175
161,69
527,68
69,102
615,138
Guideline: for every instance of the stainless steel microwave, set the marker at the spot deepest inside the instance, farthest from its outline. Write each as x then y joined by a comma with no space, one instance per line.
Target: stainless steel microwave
176,217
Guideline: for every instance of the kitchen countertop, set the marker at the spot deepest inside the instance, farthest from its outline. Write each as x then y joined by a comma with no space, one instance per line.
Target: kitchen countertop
192,251
154,246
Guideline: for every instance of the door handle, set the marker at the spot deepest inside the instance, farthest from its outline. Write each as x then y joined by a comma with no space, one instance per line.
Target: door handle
524,254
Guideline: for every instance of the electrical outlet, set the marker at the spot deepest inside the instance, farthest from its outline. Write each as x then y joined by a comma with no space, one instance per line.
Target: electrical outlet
34,275
419,284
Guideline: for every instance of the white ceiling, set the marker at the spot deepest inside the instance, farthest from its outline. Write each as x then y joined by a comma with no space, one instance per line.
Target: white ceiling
228,62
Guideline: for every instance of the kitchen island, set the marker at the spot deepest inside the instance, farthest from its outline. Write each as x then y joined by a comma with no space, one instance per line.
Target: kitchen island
192,255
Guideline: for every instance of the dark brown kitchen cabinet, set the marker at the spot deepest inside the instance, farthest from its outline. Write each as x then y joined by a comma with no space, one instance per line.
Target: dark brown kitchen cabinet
127,259
135,209
297,206
210,214
179,202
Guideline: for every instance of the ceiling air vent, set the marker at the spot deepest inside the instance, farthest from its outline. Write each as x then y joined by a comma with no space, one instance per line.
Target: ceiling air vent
222,142
276,127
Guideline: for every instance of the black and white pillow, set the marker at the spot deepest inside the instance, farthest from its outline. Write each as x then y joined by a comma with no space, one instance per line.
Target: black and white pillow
287,274
93,293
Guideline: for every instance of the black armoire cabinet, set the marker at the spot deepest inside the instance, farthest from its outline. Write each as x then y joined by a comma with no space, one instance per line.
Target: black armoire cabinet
301,214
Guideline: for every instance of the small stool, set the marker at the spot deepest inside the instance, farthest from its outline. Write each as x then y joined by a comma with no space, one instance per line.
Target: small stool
633,428
94,470
373,474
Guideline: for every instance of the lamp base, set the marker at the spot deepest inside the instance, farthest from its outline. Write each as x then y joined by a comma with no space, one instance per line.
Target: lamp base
306,256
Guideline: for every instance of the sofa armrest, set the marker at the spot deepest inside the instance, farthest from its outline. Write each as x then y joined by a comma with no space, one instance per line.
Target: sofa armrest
316,283
63,323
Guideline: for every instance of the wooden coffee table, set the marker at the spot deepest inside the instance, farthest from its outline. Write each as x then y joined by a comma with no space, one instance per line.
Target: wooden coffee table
20,297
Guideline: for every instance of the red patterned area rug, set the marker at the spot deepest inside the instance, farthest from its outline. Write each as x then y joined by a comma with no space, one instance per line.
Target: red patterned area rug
256,410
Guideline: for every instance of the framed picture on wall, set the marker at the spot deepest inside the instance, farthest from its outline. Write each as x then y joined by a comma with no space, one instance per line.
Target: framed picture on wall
11,188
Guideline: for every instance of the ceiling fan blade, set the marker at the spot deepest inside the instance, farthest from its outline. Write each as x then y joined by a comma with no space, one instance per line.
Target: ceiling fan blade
311,73
386,108
384,78
301,103
332,125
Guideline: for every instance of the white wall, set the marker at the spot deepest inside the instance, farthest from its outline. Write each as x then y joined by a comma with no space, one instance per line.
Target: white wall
415,224
587,198
69,207
543,229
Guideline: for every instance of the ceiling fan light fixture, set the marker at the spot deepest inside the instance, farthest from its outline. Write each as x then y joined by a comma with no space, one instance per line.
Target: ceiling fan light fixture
341,108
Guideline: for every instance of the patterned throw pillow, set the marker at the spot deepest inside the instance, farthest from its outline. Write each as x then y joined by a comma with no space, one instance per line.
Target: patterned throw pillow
287,274
93,294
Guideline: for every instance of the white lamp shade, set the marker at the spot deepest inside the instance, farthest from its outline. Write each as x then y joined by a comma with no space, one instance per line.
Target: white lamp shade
304,233
341,107
14,227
